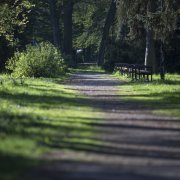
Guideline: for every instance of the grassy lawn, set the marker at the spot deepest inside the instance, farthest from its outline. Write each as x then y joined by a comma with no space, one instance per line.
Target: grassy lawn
36,116
40,115
90,69
161,97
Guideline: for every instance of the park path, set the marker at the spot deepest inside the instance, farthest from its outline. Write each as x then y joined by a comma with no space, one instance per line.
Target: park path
137,145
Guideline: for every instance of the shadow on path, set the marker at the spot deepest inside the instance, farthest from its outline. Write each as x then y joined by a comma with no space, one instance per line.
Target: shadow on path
131,143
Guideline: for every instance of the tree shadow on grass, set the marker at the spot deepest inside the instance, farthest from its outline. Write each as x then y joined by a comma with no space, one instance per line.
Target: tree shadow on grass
125,138
42,100
160,82
105,102
155,101
13,166
68,136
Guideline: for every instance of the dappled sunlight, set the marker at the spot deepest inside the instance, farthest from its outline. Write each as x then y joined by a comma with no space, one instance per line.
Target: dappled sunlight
86,91
162,97
105,124
38,114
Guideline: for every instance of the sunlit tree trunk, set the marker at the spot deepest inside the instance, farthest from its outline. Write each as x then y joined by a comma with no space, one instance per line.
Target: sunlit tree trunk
150,54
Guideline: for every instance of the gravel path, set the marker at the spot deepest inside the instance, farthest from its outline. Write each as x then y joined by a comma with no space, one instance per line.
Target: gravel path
137,145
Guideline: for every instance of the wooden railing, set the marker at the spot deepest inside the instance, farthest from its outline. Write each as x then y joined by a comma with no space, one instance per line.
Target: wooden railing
135,71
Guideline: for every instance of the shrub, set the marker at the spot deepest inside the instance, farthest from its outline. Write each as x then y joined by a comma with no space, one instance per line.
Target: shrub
43,60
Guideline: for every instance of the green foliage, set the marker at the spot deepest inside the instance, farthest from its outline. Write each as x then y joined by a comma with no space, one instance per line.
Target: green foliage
160,16
89,20
43,60
39,26
13,17
124,51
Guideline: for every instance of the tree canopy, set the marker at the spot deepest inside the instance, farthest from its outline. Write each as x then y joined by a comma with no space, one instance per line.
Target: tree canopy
13,17
79,24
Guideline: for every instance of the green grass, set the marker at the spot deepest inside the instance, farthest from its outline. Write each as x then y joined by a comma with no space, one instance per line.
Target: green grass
36,116
91,69
163,97
40,115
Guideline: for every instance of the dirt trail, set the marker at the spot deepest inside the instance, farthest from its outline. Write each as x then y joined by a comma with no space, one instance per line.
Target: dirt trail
137,145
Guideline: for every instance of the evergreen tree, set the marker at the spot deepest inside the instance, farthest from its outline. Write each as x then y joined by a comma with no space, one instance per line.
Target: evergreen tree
159,18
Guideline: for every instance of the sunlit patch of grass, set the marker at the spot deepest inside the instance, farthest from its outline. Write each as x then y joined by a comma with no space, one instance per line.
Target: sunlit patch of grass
91,68
163,97
37,116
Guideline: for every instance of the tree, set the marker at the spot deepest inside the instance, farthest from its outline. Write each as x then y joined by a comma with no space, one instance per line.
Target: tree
164,23
88,23
55,23
68,11
150,54
159,18
13,16
109,21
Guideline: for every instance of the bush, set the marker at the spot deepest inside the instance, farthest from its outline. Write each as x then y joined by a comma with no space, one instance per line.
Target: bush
43,60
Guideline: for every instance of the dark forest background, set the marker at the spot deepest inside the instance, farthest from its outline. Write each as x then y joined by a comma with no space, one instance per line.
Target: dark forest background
103,31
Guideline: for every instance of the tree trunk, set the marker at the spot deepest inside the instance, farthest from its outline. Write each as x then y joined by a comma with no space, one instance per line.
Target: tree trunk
109,21
162,62
150,55
55,23
68,10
